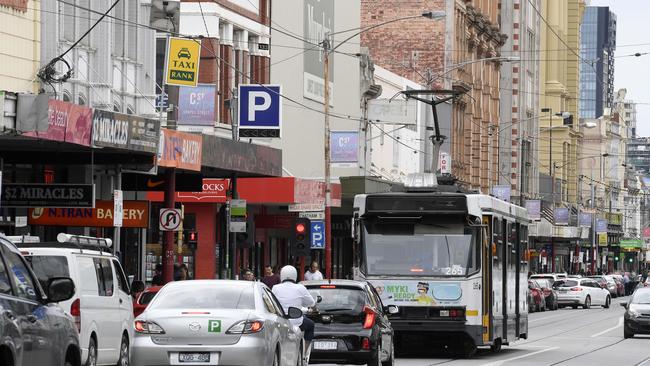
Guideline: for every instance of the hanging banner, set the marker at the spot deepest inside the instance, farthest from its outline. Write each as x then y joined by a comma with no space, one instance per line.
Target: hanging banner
344,146
584,219
601,225
561,216
196,105
534,208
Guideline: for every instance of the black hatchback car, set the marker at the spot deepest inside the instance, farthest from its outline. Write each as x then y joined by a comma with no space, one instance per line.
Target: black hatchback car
352,325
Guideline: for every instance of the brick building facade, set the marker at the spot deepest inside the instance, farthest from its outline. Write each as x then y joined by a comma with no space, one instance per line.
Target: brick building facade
430,52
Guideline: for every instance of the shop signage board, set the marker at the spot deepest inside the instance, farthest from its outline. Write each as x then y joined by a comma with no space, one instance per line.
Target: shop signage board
196,105
47,195
182,61
237,216
143,182
213,191
135,215
180,150
534,208
170,219
260,111
123,131
118,208
66,122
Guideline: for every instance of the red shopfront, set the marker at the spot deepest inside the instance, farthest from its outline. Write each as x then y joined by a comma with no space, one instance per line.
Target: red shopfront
267,200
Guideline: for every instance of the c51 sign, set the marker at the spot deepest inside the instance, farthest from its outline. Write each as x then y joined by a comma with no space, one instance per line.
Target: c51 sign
182,66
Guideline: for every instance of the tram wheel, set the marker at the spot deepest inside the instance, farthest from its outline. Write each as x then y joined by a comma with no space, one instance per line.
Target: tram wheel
496,347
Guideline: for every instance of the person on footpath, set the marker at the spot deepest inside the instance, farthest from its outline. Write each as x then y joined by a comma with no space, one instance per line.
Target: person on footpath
313,274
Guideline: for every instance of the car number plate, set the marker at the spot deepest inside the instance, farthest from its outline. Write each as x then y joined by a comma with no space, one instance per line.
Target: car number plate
194,357
325,345
444,312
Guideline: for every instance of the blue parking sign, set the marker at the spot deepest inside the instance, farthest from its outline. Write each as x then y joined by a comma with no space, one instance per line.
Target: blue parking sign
317,234
260,110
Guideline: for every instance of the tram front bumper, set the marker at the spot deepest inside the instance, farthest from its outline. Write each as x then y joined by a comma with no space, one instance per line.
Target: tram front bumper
443,330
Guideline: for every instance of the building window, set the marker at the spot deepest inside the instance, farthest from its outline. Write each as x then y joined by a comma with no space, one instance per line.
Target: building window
117,106
81,100
66,96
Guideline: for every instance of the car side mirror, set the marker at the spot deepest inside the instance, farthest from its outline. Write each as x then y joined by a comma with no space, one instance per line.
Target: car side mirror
60,289
623,304
294,313
137,286
391,309
319,299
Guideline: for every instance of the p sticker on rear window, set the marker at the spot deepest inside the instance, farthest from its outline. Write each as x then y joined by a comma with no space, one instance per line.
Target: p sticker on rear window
214,326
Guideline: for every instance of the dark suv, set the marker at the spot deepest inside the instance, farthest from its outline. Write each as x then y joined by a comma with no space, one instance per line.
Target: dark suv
33,330
352,325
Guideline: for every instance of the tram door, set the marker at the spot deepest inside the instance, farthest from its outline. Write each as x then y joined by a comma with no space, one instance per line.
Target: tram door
499,305
487,303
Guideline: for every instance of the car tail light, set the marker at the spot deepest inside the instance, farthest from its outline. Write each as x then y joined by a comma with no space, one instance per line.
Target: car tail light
576,289
328,286
370,318
246,327
146,327
365,343
75,311
456,313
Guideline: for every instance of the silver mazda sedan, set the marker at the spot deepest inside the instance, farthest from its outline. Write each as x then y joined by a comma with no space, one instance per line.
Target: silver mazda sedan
216,322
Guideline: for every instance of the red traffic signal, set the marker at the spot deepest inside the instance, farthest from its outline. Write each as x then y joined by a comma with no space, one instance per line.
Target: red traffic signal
192,236
300,228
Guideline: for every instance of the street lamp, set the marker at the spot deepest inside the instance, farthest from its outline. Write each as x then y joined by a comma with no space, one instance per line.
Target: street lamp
327,51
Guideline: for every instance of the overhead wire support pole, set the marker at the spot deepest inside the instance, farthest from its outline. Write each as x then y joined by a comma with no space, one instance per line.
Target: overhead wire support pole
326,143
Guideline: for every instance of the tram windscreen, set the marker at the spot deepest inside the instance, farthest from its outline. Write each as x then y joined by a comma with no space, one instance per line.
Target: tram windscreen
443,246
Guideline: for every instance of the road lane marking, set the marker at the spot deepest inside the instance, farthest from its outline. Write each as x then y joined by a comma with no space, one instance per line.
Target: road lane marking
501,362
643,362
568,315
620,323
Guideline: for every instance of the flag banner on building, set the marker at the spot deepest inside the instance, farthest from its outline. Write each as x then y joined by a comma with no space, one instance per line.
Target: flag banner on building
344,146
534,208
584,219
196,105
601,225
561,216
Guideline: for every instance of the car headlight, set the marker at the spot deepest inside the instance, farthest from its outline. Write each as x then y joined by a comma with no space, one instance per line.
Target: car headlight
634,313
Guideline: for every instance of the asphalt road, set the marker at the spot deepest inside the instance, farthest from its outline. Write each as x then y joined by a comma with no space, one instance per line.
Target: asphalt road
564,337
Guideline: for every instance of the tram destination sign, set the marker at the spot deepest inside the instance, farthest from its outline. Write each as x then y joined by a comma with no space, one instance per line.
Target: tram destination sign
47,195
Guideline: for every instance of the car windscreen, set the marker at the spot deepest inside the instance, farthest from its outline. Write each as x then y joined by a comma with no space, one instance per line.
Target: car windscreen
207,296
641,297
567,283
48,266
339,299
146,297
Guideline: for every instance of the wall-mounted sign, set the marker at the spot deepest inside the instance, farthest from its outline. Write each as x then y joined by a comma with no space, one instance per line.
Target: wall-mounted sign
260,110
142,182
180,150
47,195
182,62
196,105
134,214
395,112
66,122
444,163
602,239
534,208
318,21
344,147
124,131
213,191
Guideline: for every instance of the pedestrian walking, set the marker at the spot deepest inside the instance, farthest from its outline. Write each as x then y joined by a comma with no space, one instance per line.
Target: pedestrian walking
157,279
248,275
270,279
313,274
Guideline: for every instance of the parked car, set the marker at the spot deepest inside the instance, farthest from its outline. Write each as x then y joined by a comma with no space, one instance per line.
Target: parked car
539,300
101,307
531,301
637,315
607,283
143,299
352,325
620,287
581,292
212,322
550,294
32,331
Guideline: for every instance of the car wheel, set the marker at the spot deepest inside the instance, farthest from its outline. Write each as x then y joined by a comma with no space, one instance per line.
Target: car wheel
391,357
608,301
375,359
124,352
587,304
92,352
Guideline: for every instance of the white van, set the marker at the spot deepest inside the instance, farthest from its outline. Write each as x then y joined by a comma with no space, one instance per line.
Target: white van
102,307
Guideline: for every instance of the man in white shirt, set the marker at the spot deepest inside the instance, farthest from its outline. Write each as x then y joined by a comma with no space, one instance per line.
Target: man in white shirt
313,274
292,294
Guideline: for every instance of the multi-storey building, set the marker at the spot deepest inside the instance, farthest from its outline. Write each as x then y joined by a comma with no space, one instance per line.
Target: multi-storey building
449,54
518,135
20,26
597,46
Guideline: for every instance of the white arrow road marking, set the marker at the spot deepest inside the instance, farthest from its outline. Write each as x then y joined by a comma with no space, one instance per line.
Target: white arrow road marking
620,323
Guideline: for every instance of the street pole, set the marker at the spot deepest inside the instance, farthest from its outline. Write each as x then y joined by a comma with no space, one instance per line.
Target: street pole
326,143
552,175
593,227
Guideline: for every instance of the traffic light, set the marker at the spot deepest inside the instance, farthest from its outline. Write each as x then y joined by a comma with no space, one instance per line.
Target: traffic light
246,240
616,258
301,243
192,239
631,260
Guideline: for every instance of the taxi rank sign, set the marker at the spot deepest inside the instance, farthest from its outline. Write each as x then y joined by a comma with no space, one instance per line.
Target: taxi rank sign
182,62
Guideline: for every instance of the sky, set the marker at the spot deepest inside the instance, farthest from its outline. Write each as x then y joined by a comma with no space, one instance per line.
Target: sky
632,73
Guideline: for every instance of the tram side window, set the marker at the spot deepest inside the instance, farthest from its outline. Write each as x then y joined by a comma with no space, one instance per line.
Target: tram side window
512,245
497,242
523,248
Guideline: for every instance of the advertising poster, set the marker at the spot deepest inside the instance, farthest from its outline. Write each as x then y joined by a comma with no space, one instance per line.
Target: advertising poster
534,208
196,105
561,216
344,146
418,293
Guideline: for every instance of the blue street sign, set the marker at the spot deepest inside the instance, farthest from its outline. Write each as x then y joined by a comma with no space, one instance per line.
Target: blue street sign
260,110
317,234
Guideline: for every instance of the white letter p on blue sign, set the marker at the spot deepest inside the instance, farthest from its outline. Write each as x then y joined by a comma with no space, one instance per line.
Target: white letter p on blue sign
253,107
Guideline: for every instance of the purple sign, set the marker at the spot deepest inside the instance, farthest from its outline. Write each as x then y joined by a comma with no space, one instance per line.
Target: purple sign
584,219
601,225
196,105
534,208
561,216
501,192
344,146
